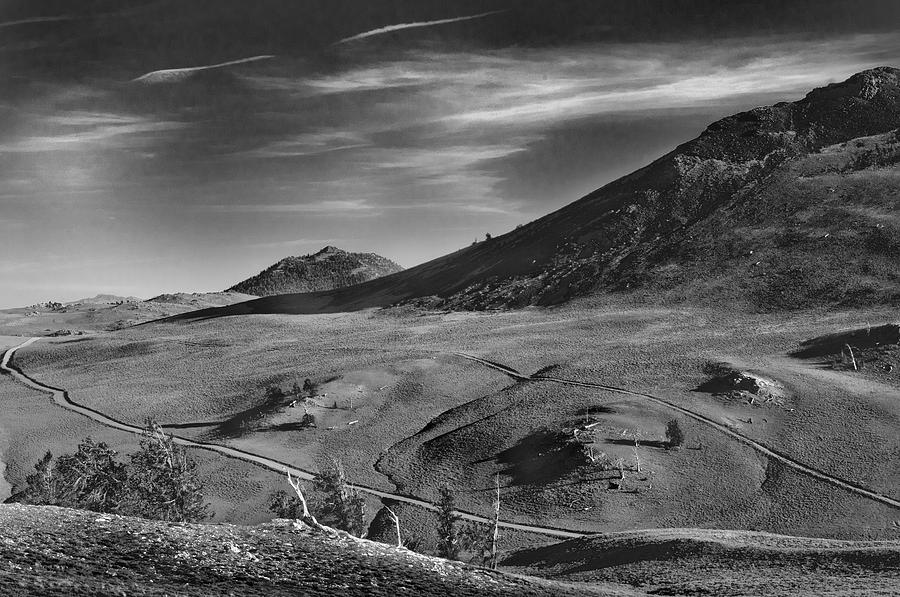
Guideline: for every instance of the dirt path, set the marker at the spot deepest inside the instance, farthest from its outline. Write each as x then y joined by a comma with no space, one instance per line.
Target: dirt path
61,398
761,448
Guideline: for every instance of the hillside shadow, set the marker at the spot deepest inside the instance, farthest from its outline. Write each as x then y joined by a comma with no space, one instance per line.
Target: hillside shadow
540,458
833,344
245,421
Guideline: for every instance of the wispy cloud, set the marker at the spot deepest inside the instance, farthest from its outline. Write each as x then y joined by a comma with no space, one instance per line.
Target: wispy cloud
330,207
298,242
306,144
173,75
35,20
98,131
519,87
417,25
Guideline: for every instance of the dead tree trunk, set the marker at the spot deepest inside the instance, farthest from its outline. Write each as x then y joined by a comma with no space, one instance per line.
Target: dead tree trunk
852,358
496,525
396,520
306,517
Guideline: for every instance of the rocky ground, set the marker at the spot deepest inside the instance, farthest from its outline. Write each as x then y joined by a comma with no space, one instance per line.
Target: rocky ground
55,551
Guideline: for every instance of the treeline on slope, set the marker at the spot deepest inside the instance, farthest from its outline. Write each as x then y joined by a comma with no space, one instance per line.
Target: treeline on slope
158,482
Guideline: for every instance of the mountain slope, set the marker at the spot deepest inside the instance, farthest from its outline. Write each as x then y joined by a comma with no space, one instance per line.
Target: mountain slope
774,180
328,269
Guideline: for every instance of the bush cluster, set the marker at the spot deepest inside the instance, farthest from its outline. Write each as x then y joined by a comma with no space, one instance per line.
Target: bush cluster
158,482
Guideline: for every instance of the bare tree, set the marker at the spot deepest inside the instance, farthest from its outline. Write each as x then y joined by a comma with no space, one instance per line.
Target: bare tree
396,521
852,358
634,433
496,525
305,516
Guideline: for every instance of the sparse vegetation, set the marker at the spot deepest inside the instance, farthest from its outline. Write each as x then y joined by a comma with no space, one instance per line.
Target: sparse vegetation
159,482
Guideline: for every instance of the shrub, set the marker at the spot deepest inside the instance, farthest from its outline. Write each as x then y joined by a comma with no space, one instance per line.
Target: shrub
476,539
162,481
674,435
343,507
284,505
90,479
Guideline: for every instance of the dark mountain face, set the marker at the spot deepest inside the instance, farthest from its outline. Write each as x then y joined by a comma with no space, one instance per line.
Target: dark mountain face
328,269
788,206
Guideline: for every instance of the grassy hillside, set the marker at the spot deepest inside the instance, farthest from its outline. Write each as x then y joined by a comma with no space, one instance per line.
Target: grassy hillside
328,269
55,551
782,207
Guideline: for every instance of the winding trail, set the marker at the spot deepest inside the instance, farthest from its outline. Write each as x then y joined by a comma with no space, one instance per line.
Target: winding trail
759,447
61,398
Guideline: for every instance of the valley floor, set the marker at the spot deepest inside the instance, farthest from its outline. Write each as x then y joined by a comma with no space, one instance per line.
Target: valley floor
407,415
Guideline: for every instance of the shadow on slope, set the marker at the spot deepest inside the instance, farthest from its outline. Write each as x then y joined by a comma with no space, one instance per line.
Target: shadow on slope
714,562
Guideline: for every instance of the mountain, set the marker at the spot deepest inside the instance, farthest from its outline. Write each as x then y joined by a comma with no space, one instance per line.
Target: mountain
328,269
781,207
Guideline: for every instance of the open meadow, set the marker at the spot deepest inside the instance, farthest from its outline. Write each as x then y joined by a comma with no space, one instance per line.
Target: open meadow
406,415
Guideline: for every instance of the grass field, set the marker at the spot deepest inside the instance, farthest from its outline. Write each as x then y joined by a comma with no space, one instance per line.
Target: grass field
422,417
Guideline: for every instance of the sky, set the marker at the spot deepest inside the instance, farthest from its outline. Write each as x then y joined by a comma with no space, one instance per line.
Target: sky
183,145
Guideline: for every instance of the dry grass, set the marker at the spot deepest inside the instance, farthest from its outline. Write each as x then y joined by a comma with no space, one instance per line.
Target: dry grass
396,367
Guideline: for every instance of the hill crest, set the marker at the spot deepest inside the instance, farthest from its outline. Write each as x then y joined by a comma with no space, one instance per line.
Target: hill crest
328,269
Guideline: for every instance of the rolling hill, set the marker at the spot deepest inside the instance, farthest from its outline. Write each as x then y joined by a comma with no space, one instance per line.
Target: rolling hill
781,207
328,269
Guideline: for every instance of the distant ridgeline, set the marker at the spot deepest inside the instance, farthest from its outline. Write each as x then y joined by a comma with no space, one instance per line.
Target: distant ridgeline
328,269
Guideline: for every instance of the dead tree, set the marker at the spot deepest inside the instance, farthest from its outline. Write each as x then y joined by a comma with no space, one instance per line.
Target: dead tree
496,526
396,520
305,517
852,358
634,437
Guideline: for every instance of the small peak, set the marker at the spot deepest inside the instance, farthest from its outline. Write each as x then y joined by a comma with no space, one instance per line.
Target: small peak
864,85
330,249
